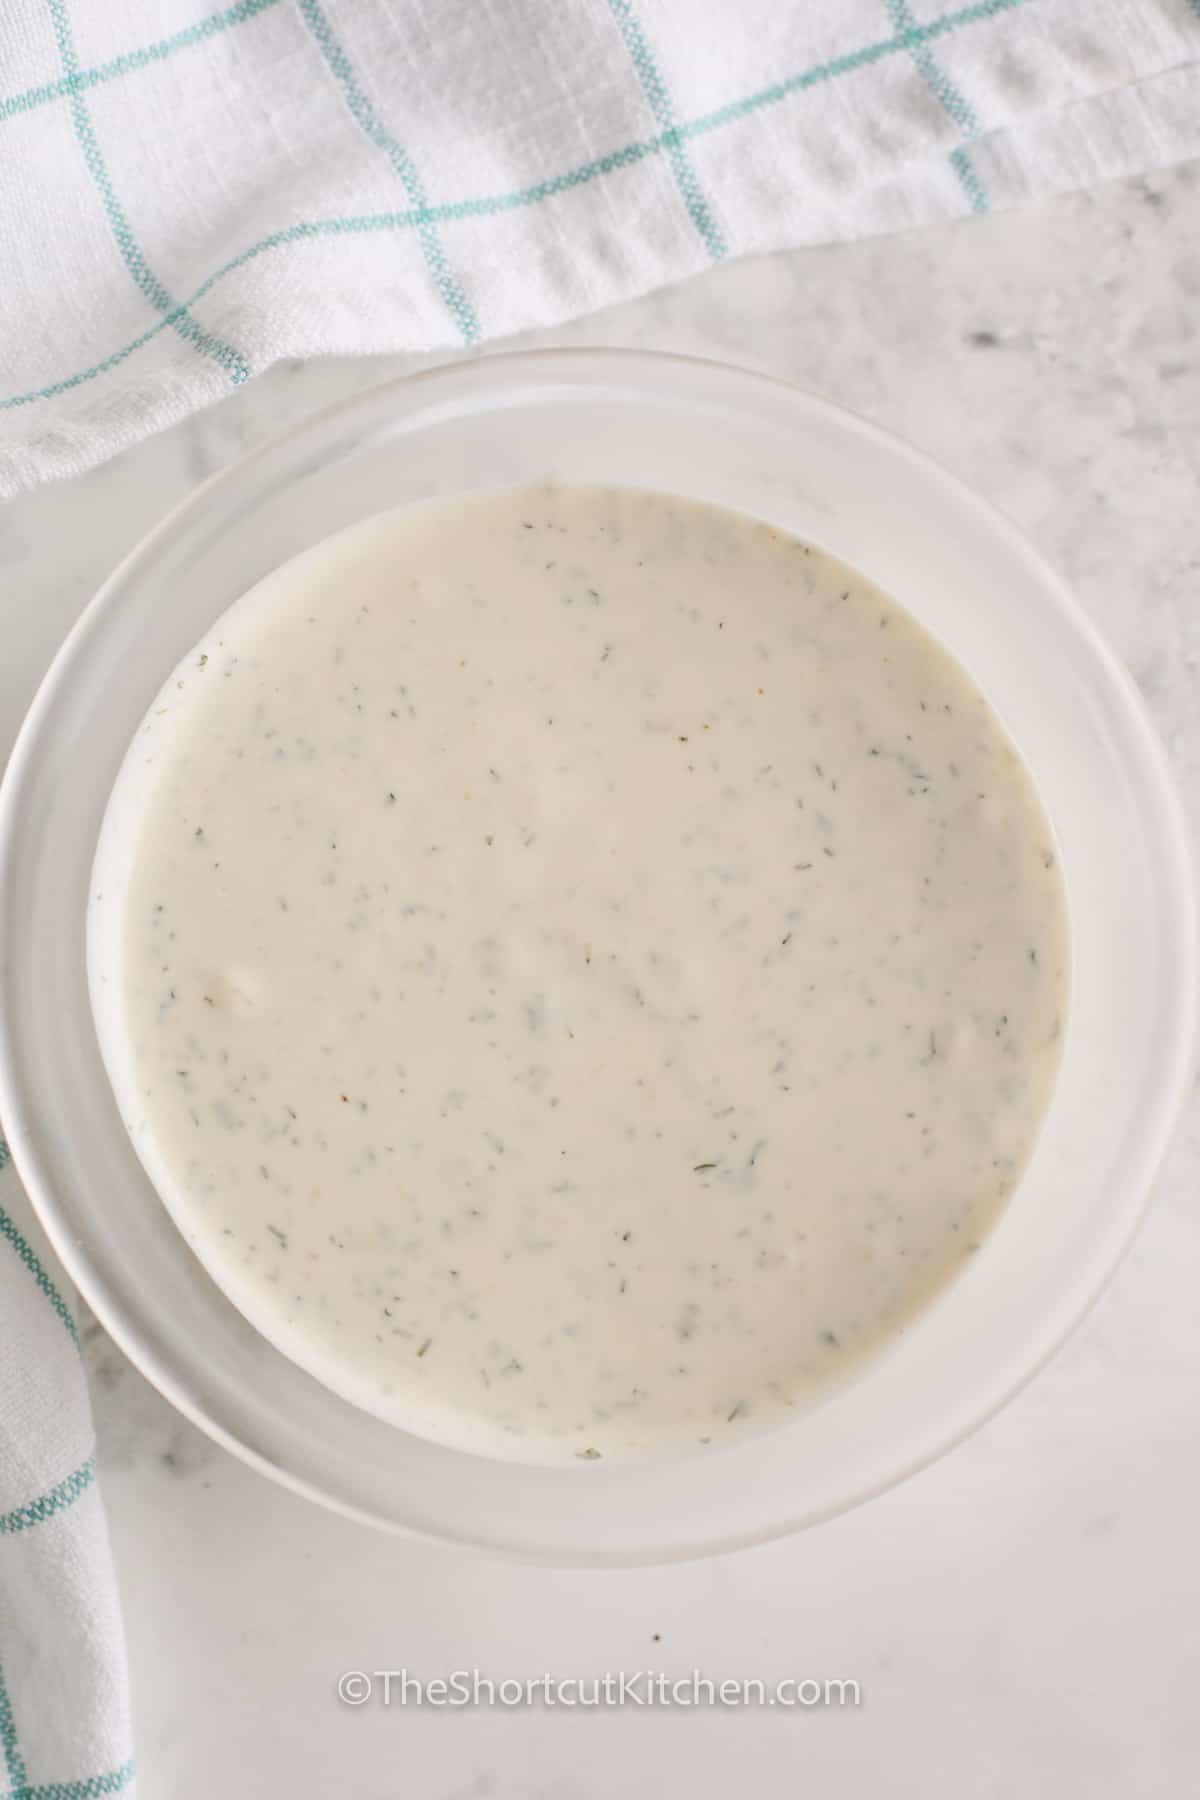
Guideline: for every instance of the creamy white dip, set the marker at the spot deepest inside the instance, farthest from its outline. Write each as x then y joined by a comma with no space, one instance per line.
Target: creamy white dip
581,968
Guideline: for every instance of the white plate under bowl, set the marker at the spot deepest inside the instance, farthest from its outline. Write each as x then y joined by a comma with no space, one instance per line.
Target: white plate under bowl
738,440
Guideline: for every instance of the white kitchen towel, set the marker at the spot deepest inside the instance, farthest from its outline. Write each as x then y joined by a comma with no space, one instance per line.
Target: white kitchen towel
189,194
64,1707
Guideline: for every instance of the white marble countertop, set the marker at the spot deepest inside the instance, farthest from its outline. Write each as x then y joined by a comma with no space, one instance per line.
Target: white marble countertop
1024,1618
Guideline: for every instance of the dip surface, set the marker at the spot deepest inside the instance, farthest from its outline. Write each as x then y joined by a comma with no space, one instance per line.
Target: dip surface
581,968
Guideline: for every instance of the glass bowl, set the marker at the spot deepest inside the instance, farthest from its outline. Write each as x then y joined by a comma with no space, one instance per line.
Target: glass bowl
742,441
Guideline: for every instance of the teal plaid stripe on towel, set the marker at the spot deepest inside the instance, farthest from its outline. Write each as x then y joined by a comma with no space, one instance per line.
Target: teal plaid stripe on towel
64,1709
189,193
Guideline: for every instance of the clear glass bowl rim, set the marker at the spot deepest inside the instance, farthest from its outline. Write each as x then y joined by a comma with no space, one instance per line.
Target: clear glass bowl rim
485,384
